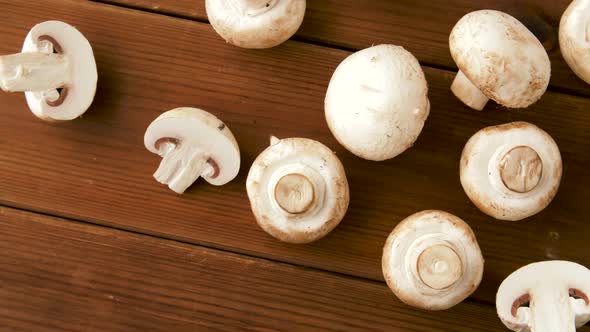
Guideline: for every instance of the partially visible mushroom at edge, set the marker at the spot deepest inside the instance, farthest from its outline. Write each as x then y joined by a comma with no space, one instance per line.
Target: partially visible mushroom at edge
574,37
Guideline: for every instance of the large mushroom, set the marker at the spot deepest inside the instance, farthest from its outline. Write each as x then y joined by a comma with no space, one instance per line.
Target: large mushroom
546,296
56,71
192,143
498,59
255,23
431,260
298,190
377,102
511,171
574,38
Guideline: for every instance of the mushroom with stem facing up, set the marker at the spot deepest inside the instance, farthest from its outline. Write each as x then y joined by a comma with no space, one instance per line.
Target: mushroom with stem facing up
498,59
431,260
298,190
56,71
192,143
574,37
545,296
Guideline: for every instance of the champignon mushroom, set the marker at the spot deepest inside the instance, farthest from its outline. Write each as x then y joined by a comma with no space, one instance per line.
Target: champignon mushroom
56,71
498,59
545,297
431,260
511,171
255,23
192,143
297,189
574,37
377,102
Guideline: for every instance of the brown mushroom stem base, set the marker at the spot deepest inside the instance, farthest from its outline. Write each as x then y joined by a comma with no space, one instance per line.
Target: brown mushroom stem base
34,71
468,93
294,193
439,267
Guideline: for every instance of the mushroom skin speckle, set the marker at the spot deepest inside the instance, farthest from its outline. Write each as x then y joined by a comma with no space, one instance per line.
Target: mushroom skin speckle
574,37
377,102
298,190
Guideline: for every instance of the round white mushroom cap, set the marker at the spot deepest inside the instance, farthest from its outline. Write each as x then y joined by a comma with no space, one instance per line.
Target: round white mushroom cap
431,260
298,190
255,23
377,102
498,58
574,38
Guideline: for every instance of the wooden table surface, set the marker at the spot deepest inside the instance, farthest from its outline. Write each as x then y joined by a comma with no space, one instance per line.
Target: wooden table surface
90,241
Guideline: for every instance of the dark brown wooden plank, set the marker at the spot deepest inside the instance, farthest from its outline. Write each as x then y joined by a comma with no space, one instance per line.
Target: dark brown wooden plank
64,276
96,168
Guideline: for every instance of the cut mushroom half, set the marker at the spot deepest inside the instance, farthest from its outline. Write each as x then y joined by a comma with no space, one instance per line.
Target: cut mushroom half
574,38
545,296
498,59
431,260
192,143
298,190
255,23
511,171
56,71
377,102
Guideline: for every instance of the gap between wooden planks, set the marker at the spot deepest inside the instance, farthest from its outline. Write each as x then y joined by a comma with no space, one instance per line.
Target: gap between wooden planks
96,169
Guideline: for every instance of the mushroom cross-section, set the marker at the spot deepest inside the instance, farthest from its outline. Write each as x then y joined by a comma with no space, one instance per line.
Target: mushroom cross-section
498,59
298,190
431,260
56,71
511,171
377,102
574,38
192,144
255,23
545,296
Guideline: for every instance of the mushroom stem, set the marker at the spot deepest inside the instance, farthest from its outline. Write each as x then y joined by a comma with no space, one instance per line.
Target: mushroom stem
34,71
255,7
468,93
551,310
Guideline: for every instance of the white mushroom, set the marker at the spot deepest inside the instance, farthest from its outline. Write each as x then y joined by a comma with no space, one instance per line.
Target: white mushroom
56,71
498,59
255,23
298,190
431,260
192,144
546,296
511,171
574,38
377,102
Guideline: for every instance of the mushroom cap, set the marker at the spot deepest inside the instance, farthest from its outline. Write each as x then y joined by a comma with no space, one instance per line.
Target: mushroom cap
532,278
573,38
377,102
411,239
500,56
256,28
317,163
81,90
481,166
202,130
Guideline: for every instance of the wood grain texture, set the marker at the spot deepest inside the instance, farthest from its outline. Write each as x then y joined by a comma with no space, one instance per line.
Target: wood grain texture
58,275
422,27
96,169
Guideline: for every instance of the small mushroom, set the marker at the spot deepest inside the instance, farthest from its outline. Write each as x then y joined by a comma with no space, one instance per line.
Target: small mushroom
545,296
511,171
498,59
255,23
298,190
192,144
574,38
56,71
377,102
431,260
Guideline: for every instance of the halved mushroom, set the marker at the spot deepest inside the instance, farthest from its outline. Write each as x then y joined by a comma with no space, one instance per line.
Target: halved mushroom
574,38
498,59
431,260
511,171
255,23
192,144
56,71
298,190
377,102
545,297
